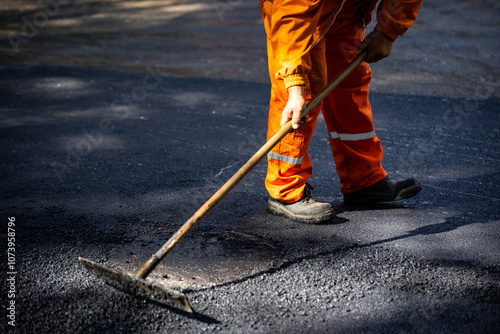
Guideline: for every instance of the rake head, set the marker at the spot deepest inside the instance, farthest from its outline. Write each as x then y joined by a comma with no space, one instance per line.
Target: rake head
138,286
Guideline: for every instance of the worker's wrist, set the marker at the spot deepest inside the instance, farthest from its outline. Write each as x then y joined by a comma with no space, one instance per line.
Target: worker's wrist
296,91
390,32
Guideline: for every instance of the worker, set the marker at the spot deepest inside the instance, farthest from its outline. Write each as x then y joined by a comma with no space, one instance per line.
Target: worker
308,43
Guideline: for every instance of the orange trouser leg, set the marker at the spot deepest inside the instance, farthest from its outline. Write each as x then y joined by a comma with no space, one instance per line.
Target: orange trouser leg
356,149
289,165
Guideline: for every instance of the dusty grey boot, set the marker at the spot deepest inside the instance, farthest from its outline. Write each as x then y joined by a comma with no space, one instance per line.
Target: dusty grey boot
306,210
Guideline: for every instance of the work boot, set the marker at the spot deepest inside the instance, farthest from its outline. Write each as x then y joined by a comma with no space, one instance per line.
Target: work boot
385,190
306,210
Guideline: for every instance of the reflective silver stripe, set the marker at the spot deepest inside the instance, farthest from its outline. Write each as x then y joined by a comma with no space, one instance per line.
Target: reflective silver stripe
290,160
348,136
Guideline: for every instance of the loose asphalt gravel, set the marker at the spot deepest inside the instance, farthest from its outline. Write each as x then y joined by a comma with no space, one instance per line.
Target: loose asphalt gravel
84,176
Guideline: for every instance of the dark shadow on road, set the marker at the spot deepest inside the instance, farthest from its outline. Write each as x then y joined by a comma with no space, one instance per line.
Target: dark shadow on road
195,315
450,224
341,208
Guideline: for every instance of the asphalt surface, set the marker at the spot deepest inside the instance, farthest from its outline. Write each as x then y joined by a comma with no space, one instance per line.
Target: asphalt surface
107,164
86,177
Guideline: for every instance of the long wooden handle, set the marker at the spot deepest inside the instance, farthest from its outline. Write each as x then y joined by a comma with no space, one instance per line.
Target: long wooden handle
144,271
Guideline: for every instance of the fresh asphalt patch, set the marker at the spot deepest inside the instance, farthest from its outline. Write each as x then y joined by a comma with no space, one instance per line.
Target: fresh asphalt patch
108,164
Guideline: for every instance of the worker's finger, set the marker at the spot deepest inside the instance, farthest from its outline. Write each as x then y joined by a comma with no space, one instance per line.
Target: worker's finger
363,45
294,107
286,115
378,45
296,119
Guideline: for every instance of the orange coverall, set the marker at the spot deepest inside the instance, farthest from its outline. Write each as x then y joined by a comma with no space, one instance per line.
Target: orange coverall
308,43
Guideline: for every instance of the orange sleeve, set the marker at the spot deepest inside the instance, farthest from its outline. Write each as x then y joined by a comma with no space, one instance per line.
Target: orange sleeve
291,26
395,17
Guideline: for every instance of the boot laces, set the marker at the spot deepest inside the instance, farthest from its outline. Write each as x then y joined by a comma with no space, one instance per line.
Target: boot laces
307,197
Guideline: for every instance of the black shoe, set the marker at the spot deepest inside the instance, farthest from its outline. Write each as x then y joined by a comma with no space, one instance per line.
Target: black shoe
385,190
306,210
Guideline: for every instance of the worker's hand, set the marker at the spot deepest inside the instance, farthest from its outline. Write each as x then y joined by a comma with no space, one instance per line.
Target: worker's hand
294,107
378,44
